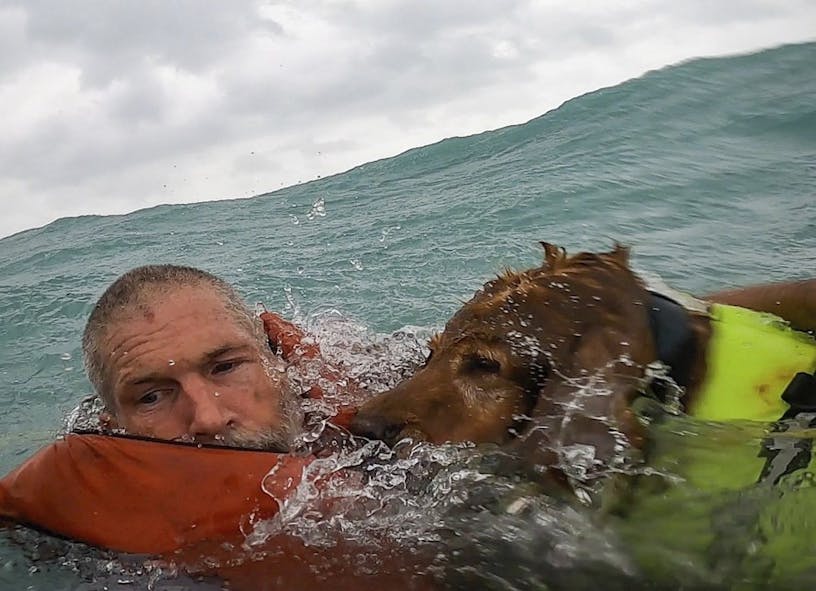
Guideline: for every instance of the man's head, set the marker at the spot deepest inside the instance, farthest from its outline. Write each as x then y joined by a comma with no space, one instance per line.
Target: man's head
175,354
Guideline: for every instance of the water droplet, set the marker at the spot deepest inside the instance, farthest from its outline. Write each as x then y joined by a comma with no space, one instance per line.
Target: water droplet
300,270
216,394
170,362
65,357
294,219
318,209
356,264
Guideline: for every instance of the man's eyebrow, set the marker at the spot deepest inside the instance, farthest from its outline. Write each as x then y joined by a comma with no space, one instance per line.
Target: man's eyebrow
145,379
208,357
230,348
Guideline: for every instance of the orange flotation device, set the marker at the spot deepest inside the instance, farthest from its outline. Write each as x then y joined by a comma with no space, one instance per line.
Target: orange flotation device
289,341
147,496
193,507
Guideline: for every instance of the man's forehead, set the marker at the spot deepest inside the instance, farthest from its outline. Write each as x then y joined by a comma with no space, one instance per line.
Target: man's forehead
184,323
156,298
163,312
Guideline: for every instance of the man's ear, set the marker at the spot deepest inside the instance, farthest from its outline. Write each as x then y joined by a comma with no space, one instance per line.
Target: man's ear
107,421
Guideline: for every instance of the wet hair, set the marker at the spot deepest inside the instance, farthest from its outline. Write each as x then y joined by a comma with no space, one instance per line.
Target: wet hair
134,291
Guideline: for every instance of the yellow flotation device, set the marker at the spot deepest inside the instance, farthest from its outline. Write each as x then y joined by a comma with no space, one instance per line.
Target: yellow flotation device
731,475
752,357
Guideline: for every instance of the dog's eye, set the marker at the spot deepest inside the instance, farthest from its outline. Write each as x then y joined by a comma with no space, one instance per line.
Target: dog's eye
483,364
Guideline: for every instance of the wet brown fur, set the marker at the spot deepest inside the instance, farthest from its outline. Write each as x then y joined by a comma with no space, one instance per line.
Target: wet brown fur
528,354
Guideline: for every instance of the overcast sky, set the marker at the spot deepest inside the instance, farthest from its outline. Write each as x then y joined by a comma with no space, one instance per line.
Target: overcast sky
108,106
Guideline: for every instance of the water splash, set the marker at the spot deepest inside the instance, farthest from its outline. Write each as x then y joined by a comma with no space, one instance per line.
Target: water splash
318,209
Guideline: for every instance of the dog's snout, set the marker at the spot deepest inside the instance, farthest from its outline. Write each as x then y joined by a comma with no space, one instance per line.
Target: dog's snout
376,426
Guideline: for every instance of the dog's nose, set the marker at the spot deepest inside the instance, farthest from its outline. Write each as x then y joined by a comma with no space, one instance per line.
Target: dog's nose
376,426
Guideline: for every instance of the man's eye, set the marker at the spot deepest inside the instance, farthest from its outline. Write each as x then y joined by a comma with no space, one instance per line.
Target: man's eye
150,398
225,366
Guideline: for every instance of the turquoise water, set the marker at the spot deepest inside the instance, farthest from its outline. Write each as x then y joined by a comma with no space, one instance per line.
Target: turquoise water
707,169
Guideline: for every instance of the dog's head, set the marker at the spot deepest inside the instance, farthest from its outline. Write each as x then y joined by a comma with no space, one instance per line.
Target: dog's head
526,348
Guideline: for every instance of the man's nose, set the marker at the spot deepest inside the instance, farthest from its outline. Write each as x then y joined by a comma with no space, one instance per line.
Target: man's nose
208,416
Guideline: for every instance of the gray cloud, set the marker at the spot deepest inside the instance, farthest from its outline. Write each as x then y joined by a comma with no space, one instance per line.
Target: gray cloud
111,106
111,38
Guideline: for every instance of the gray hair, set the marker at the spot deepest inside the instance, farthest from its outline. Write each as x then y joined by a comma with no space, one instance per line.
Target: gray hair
133,291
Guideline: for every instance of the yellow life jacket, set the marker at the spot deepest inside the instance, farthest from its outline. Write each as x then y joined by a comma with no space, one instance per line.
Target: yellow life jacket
752,357
728,473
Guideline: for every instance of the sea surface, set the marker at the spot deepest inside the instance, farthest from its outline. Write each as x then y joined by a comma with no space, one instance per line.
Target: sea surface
707,169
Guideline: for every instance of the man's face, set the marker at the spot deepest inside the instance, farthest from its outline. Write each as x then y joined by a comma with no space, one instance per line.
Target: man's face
182,367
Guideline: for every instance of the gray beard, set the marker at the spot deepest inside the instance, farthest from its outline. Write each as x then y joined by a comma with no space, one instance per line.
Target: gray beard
271,440
280,438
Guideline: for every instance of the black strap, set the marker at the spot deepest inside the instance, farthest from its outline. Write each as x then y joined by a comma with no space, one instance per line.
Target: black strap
674,338
800,395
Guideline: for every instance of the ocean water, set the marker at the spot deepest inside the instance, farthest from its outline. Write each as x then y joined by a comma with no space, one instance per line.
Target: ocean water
707,169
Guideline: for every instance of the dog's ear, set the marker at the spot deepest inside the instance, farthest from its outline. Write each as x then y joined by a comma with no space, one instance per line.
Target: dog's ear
598,362
553,255
620,253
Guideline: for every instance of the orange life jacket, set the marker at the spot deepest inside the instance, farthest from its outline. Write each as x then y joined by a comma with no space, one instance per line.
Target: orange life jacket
193,506
145,496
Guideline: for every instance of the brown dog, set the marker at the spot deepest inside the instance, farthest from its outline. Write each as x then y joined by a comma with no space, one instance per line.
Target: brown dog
558,351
